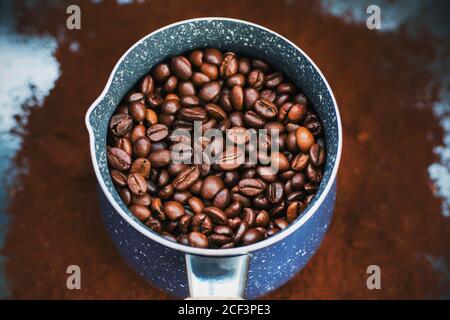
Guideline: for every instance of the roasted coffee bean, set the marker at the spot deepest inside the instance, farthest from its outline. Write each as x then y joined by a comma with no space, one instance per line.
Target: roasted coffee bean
134,96
231,159
271,231
141,166
193,114
267,173
211,186
199,79
268,95
212,55
198,240
184,223
154,224
185,179
142,200
237,97
210,71
243,200
278,209
254,120
233,210
236,80
275,192
281,223
255,79
300,162
125,195
161,72
202,223
196,58
314,174
317,155
181,67
170,106
137,111
140,212
291,142
261,202
157,132
262,218
292,211
137,132
173,210
209,91
154,100
251,187
304,139
120,124
216,112
295,196
251,236
118,178
141,148
151,117
183,239
229,65
273,80
216,215
159,158
241,230
157,209
125,145
222,199
119,159
265,108
244,65
166,192
250,97
298,181
279,161
260,64
196,205
136,183
249,216
223,230
147,84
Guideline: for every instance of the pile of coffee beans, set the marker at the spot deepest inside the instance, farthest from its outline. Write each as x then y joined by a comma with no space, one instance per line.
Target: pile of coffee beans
223,204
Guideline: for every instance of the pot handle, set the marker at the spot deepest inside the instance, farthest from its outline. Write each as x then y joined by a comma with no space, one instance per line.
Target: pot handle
219,278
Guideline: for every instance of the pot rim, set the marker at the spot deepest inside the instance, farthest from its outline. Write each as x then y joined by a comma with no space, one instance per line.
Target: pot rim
214,252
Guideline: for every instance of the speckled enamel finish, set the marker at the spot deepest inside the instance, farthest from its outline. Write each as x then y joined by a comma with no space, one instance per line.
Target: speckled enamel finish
272,265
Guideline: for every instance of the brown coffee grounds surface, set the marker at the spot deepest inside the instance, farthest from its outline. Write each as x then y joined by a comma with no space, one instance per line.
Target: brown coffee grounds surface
385,214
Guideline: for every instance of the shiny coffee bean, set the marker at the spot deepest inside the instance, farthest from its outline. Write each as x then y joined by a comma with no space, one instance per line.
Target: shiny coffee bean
119,159
198,240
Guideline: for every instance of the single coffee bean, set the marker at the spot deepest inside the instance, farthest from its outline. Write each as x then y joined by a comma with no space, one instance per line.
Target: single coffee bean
254,120
154,224
295,196
125,145
125,195
265,108
137,132
275,192
202,223
141,148
260,64
134,96
118,178
281,223
251,187
198,240
223,230
137,111
233,210
268,95
185,179
304,139
151,117
193,114
278,210
229,65
140,212
161,72
147,84
196,205
243,200
267,173
317,155
250,97
120,124
300,162
212,55
236,80
119,159
216,112
142,200
296,113
251,236
184,223
157,132
231,159
141,166
209,91
173,210
222,199
262,219
211,186
136,183
244,65
216,215
237,97
279,161
255,79
159,158
249,216
273,80
241,230
271,231
170,106
166,192
298,181
210,70
314,174
181,67
261,202
196,58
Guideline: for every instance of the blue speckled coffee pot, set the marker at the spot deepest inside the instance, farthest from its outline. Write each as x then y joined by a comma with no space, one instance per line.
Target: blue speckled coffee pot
244,272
